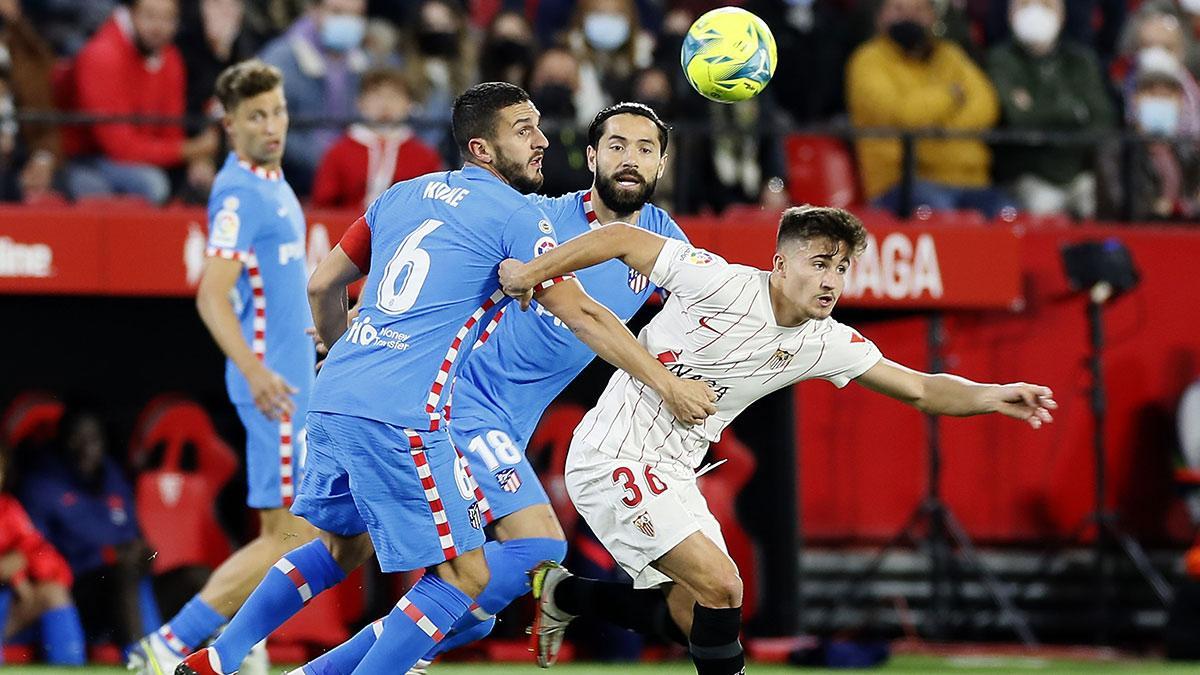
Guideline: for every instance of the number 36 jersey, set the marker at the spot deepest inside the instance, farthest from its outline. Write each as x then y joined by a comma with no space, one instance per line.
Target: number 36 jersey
436,244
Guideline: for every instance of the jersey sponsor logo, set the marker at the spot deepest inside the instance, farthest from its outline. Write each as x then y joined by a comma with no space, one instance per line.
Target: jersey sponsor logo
644,525
225,228
545,226
363,333
290,251
25,260
689,373
543,245
436,189
779,359
637,281
696,256
509,480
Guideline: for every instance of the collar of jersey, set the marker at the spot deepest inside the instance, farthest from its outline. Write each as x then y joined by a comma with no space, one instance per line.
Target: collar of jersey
265,174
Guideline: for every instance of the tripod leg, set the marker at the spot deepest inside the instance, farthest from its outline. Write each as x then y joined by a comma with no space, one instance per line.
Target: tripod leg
999,593
1137,555
855,584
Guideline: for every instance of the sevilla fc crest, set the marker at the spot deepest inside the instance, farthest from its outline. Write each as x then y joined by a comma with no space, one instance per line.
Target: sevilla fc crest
637,281
779,359
644,524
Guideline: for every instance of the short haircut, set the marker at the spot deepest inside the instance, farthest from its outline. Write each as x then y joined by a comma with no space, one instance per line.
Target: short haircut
803,223
596,129
475,110
244,80
382,77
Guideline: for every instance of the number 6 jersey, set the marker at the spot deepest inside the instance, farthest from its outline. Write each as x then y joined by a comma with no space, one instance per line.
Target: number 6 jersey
431,291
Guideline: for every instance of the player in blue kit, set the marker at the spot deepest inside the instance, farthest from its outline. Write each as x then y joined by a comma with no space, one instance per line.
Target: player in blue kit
380,458
252,299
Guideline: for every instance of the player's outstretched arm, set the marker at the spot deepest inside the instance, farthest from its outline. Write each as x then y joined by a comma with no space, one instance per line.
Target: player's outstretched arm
690,401
327,294
272,394
634,246
944,394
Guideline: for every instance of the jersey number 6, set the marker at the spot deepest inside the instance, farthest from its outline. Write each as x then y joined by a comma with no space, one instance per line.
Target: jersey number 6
624,476
411,259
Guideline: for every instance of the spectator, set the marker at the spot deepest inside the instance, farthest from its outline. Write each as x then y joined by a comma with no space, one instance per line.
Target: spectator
133,49
1163,173
30,65
1048,84
607,40
441,62
653,87
35,584
552,87
507,54
905,77
67,24
82,503
1187,13
1159,38
370,157
321,58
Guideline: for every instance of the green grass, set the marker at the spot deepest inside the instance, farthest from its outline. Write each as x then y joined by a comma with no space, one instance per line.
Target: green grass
908,663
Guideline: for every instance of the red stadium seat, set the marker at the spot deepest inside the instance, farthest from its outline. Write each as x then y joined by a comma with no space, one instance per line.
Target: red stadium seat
820,171
175,507
32,416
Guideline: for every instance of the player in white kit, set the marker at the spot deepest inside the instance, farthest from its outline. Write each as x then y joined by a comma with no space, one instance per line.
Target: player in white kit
631,468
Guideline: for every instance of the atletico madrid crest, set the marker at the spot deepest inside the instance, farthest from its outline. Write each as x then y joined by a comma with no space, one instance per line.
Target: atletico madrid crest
637,281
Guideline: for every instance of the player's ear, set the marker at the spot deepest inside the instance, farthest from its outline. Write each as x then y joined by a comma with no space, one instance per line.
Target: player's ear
662,165
591,158
779,264
480,150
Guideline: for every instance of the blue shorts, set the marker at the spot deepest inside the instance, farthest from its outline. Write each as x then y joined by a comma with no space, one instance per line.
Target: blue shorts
508,481
410,490
274,457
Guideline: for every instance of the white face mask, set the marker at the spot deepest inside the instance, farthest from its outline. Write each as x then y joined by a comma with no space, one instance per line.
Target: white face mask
1158,114
606,31
1190,6
1036,25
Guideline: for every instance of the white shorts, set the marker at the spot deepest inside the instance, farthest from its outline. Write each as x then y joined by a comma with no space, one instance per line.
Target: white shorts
638,512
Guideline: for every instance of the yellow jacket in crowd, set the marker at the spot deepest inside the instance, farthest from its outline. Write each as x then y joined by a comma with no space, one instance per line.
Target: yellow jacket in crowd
887,88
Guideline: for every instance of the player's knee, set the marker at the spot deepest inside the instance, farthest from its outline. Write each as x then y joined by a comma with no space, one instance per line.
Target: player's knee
51,595
348,552
468,573
720,588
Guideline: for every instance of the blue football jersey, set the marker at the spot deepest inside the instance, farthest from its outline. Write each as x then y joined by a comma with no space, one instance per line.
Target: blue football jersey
436,245
530,357
255,217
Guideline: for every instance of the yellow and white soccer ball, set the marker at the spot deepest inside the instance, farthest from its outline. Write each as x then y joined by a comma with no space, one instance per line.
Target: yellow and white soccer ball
728,55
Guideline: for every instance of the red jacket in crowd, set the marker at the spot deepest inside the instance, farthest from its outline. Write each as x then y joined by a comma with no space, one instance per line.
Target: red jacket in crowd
363,163
17,533
110,77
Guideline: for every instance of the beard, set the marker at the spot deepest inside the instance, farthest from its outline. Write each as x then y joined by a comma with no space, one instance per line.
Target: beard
624,202
515,173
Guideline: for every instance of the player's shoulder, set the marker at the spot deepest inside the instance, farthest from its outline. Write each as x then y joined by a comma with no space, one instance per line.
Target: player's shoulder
656,219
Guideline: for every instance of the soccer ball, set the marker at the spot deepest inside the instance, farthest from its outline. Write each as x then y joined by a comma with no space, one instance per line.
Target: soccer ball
728,55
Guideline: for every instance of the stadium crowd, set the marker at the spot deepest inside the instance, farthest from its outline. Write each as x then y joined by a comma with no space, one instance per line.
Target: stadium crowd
369,85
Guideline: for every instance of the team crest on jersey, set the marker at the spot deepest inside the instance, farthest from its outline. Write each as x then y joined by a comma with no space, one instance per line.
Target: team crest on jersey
509,480
545,226
474,515
225,228
696,256
779,359
637,281
543,245
644,524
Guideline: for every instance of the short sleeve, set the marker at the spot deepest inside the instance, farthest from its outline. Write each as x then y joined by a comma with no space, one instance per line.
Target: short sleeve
527,234
234,218
691,273
356,244
846,355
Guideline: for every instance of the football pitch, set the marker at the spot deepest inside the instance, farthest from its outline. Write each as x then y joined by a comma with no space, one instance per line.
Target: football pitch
906,663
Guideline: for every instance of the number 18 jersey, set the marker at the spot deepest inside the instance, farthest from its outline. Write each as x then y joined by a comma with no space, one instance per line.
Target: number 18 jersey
436,244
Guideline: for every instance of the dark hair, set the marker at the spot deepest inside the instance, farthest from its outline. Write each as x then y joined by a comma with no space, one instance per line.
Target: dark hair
801,223
475,110
596,129
380,77
244,80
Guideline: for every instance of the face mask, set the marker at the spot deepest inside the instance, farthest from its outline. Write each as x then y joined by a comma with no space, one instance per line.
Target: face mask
606,31
506,52
1190,6
555,100
1036,25
910,35
1157,58
342,32
1158,115
438,43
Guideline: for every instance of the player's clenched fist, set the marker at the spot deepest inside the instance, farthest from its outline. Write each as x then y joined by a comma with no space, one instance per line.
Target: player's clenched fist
1029,402
515,283
690,401
272,394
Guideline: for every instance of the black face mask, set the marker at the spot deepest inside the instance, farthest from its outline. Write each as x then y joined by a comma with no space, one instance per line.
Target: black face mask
910,35
437,43
505,52
555,100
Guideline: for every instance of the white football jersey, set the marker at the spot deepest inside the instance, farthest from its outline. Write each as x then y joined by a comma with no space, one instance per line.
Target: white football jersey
717,326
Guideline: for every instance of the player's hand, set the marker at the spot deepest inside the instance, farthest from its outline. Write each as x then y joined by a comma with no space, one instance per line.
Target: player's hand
514,283
272,394
319,345
690,401
1029,402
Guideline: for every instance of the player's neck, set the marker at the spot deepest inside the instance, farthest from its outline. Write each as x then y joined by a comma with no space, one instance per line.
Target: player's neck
786,316
605,215
270,166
